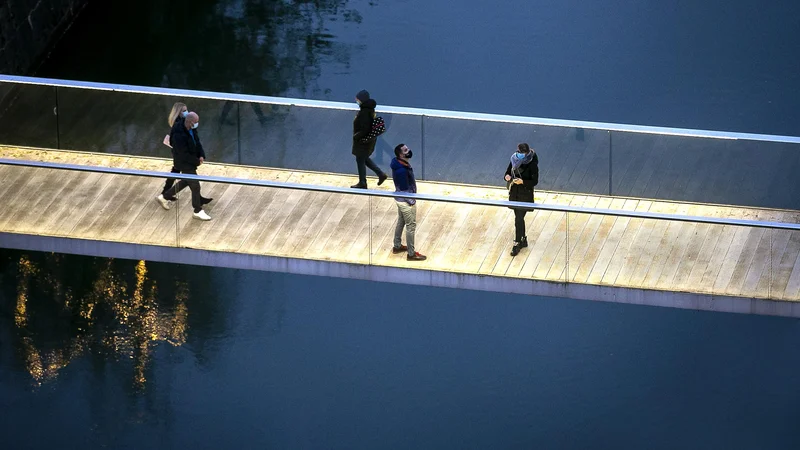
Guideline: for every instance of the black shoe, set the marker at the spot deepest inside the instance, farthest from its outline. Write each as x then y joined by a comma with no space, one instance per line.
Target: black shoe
205,200
381,178
524,242
516,248
359,186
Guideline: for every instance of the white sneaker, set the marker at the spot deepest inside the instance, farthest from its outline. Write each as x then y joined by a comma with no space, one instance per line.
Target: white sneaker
164,202
201,215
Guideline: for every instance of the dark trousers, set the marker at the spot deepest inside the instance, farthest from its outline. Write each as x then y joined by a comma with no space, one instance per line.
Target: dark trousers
194,186
519,224
363,162
168,184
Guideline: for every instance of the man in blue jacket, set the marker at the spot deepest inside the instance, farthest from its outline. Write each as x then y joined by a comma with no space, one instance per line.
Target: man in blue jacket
403,176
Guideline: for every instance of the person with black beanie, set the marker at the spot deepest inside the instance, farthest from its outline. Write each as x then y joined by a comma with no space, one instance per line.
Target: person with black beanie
362,125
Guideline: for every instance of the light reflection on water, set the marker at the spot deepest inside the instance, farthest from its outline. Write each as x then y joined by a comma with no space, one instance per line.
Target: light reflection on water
109,314
130,354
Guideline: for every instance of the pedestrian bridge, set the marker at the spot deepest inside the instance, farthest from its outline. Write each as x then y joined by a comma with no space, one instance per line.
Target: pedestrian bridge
594,247
684,218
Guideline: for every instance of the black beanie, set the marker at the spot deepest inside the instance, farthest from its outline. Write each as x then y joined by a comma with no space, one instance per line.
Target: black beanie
363,96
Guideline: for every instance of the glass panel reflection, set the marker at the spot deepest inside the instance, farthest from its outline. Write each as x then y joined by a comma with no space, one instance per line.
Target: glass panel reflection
28,115
725,171
135,124
469,151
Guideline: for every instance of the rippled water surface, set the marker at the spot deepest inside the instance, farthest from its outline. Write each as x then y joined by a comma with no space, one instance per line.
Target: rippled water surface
123,354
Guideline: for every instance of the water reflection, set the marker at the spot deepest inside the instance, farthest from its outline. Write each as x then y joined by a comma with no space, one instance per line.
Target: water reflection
255,46
107,307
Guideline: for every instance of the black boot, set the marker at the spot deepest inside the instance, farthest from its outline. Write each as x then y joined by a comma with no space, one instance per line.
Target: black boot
516,248
524,242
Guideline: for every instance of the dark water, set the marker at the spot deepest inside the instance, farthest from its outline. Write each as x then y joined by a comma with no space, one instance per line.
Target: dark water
722,65
96,353
119,354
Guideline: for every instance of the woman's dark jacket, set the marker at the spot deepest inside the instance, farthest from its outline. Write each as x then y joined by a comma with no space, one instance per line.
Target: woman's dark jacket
362,125
529,173
186,148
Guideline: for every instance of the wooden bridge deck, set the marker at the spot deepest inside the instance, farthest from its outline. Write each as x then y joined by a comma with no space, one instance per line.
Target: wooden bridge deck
639,253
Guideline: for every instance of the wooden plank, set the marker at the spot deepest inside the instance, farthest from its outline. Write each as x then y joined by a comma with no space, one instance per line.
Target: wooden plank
622,252
792,291
609,247
260,241
35,212
306,229
590,256
644,245
122,215
23,191
760,266
583,242
662,250
786,265
554,257
574,223
692,279
577,226
677,251
539,235
318,248
743,262
483,258
449,253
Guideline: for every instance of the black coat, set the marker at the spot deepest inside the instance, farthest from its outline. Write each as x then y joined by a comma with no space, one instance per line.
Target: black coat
362,125
186,150
529,173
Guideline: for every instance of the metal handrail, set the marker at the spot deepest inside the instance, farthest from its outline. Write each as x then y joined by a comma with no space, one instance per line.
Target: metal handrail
400,110
390,194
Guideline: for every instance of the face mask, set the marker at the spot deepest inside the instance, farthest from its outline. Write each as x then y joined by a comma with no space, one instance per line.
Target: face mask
184,114
521,155
408,154
195,125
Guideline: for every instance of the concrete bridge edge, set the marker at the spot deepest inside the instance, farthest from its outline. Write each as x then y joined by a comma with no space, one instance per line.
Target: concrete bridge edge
611,294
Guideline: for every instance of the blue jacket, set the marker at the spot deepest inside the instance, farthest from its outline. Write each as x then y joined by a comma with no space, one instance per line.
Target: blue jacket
404,181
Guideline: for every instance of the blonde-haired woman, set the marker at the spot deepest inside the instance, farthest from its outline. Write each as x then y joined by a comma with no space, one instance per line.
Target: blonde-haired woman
176,115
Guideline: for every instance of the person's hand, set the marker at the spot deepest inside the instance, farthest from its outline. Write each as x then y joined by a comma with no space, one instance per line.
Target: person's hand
201,160
508,177
517,181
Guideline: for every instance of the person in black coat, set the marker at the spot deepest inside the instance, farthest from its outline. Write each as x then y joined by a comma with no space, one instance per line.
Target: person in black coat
362,125
176,115
521,175
187,156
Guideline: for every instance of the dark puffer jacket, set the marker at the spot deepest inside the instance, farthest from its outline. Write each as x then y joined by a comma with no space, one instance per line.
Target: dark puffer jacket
362,125
529,173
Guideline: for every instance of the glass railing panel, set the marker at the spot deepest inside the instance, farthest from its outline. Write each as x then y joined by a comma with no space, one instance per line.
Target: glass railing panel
135,124
316,139
477,152
28,115
84,205
725,171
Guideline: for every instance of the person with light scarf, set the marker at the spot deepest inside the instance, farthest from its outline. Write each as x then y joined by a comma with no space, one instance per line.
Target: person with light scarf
521,175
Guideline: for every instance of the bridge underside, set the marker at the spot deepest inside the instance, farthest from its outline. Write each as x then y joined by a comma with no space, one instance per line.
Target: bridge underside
593,257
